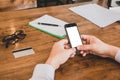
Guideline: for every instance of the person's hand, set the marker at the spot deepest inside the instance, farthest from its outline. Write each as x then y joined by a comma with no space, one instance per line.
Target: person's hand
95,46
60,53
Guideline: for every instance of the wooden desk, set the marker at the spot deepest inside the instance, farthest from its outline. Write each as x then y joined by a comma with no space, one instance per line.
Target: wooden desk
79,68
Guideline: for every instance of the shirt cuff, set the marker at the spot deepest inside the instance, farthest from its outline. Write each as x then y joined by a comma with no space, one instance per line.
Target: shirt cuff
117,56
43,72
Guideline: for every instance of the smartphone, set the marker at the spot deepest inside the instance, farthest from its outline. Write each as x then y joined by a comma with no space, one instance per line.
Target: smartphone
73,35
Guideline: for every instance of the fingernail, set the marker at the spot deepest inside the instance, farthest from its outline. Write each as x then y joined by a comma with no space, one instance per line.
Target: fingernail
84,55
74,49
81,52
78,47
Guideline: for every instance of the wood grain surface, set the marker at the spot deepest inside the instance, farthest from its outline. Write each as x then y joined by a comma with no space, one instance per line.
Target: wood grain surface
78,68
7,5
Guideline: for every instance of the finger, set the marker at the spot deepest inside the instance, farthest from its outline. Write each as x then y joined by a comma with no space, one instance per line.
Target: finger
84,36
84,42
79,47
90,52
63,41
72,55
81,52
85,47
87,38
67,47
84,54
71,51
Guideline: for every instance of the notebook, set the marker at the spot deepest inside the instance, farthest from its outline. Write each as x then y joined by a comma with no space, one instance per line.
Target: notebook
96,14
58,32
114,5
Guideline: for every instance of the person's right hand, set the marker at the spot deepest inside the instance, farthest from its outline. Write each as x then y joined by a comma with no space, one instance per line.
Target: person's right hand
95,46
60,53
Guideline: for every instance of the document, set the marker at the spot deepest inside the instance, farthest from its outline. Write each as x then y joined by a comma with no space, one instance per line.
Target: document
50,25
96,14
115,9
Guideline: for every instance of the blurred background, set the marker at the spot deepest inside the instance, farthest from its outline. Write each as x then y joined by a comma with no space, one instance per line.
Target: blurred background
6,5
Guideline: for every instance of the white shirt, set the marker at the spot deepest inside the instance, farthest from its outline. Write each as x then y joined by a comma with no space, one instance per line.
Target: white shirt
46,72
117,56
43,72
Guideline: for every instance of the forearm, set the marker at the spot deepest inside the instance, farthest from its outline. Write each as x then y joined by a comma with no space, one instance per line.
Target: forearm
113,51
43,72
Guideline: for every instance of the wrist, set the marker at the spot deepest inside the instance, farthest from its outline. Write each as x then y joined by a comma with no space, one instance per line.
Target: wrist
52,63
112,51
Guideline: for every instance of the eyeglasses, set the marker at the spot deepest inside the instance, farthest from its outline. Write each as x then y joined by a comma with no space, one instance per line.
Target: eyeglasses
14,38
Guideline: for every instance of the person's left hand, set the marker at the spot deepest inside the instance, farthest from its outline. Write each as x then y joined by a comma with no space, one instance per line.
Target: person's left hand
60,54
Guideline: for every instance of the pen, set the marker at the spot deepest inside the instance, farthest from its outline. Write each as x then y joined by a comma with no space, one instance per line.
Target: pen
55,25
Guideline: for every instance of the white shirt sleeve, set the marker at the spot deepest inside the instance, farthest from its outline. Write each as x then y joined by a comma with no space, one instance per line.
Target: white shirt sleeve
117,56
43,72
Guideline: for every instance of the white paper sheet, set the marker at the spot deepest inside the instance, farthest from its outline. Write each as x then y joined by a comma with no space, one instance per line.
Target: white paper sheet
96,14
115,9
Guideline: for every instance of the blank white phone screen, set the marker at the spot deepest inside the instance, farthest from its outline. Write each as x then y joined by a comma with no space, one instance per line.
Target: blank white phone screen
74,36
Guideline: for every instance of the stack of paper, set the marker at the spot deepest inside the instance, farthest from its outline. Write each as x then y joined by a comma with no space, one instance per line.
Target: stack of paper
96,14
58,32
115,9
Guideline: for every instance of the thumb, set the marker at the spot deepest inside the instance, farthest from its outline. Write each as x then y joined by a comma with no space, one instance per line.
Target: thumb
71,51
85,47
